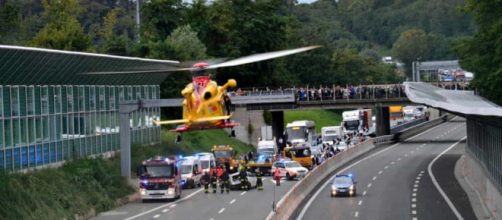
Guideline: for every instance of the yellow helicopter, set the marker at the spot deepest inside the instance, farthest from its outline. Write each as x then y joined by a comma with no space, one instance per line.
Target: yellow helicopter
207,105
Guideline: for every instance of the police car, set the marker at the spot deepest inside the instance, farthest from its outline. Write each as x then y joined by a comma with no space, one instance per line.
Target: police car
343,185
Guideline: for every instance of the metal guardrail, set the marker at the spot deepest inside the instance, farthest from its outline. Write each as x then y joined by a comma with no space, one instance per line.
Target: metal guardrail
406,125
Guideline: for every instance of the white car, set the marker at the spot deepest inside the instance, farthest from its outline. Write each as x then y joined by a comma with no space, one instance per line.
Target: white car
342,145
235,181
289,169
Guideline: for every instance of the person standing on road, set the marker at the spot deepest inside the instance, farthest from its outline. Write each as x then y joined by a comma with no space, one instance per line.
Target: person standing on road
244,179
259,182
205,181
214,177
224,184
277,176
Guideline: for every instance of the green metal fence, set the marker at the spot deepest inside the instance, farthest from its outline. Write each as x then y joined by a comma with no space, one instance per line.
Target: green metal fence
41,125
485,144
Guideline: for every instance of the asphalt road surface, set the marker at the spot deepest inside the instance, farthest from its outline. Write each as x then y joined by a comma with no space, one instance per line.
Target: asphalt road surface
395,182
195,204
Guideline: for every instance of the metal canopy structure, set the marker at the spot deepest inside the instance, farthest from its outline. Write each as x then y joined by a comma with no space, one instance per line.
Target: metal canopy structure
456,101
37,66
435,65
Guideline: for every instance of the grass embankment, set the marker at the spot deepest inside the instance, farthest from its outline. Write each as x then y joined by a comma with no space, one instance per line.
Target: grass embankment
60,193
321,117
80,185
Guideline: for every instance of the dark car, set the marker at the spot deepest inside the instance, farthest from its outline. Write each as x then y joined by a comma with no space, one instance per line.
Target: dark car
343,185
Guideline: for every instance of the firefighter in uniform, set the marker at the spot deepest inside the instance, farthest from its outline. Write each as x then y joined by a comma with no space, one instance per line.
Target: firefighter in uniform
214,177
205,181
224,178
244,179
259,182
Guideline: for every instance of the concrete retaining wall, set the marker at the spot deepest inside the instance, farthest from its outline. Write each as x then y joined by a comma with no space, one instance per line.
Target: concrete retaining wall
246,118
477,178
290,202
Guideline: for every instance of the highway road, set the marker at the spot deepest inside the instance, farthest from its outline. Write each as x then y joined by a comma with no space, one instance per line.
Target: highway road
195,204
403,181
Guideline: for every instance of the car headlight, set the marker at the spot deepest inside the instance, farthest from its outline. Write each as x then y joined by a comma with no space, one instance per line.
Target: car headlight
142,192
333,187
351,187
170,191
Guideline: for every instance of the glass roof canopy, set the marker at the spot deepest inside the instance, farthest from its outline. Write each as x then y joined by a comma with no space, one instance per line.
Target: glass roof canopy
37,66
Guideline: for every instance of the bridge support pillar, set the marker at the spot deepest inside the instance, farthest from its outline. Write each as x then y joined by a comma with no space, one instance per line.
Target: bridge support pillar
382,120
277,124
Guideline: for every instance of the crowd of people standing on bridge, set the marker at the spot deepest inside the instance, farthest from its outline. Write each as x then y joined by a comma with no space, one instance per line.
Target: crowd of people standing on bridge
335,92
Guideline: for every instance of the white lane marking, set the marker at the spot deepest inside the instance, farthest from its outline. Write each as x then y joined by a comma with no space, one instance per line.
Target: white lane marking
413,205
165,210
380,172
416,181
374,178
398,159
414,218
173,205
232,202
364,193
221,210
356,214
311,200
416,185
242,193
369,185
163,206
156,216
416,149
405,155
413,199
412,152
413,212
360,202
415,189
392,163
386,167
433,178
422,171
418,177
211,219
413,194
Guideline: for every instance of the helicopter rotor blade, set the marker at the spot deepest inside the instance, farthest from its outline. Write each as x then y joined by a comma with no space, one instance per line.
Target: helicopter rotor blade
138,71
260,57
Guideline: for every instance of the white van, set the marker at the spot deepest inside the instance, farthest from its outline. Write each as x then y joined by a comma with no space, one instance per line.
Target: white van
191,172
330,134
207,161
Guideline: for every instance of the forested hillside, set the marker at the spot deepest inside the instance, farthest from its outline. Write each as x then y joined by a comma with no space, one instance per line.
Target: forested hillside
355,34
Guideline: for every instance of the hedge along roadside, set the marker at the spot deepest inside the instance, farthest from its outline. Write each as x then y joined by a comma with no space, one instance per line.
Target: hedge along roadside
289,203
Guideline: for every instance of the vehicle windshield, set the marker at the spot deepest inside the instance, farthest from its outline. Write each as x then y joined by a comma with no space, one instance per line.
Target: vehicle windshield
342,181
351,125
266,151
159,171
329,138
302,153
204,164
186,169
296,133
220,153
292,164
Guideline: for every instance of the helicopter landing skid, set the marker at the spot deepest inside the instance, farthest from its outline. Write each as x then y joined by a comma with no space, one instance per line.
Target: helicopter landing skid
184,128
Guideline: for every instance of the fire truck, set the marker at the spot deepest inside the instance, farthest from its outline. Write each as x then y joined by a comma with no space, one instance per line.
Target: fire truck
159,178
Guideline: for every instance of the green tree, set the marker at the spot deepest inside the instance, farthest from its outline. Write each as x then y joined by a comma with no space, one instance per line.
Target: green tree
183,44
482,53
411,45
62,29
10,18
111,42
